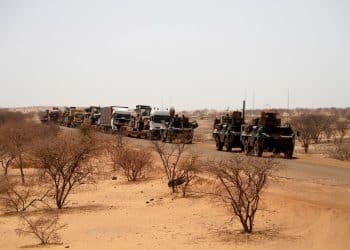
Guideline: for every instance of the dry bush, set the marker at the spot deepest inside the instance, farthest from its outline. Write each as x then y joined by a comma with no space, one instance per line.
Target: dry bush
18,198
189,168
170,155
7,116
114,149
65,163
241,182
44,228
341,126
341,152
134,161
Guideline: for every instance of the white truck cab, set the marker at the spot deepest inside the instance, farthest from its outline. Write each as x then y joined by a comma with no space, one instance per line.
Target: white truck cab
158,119
120,117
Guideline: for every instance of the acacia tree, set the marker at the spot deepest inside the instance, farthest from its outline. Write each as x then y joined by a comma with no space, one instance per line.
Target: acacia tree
65,162
304,125
16,138
341,126
170,155
241,182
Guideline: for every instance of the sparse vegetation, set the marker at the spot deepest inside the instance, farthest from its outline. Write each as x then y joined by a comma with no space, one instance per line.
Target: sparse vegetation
190,167
18,198
44,228
133,162
170,155
65,162
241,182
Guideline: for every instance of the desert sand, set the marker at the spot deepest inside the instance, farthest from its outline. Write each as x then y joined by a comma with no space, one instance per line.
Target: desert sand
300,212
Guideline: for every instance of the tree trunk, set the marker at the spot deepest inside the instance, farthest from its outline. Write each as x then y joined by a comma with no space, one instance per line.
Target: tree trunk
21,168
306,148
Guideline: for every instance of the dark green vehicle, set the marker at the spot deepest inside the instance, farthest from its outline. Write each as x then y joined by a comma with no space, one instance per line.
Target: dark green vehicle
227,131
266,134
179,128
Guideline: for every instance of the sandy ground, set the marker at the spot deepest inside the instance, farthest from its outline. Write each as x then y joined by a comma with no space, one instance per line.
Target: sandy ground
300,212
306,206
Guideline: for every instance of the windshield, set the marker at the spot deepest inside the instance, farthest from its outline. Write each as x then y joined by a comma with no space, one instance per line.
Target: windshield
81,116
161,118
281,131
122,116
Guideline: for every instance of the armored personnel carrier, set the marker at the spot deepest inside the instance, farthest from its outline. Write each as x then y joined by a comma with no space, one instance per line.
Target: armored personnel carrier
266,133
227,130
178,128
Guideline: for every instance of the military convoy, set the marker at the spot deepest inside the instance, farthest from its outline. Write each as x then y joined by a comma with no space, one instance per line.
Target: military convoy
263,134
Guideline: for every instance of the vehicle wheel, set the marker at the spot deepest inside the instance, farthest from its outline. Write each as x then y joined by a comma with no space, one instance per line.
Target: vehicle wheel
227,145
246,148
288,154
258,149
218,144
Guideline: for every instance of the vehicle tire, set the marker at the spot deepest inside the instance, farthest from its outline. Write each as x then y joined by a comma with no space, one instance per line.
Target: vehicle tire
288,154
219,145
227,145
258,149
246,147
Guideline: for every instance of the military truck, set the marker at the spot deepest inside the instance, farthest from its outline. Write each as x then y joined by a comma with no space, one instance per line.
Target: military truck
178,128
227,130
121,117
72,117
266,133
139,123
51,116
146,122
91,115
104,121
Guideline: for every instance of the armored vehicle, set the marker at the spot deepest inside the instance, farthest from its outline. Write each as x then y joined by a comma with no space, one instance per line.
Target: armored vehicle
178,128
266,133
227,130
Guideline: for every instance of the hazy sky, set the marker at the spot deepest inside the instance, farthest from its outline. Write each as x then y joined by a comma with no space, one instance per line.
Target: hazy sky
189,54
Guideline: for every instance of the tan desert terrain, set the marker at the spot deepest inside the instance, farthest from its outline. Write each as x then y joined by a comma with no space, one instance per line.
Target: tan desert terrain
306,206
